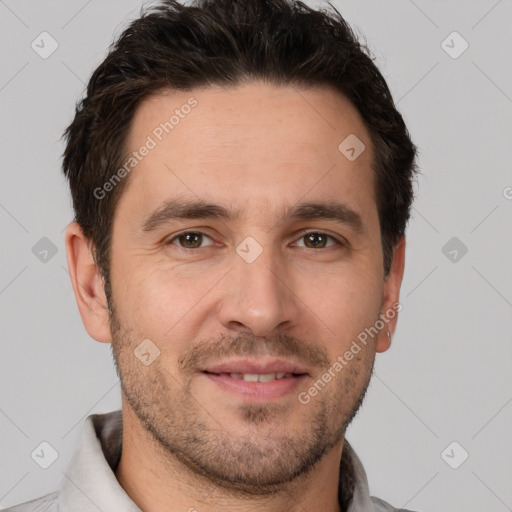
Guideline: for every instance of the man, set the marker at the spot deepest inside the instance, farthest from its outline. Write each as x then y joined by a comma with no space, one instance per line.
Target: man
241,182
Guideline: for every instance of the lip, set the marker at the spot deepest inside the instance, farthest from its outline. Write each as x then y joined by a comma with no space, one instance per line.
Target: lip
256,392
260,365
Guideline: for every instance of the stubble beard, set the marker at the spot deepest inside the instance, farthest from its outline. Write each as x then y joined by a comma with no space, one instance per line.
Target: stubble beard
261,461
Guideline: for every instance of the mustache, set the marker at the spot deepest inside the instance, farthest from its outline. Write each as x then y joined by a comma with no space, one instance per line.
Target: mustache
244,345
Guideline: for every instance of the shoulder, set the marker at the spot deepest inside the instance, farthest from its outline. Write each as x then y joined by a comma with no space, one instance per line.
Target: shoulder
384,506
47,503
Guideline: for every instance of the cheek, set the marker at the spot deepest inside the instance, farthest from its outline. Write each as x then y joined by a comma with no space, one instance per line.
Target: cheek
343,299
164,304
344,307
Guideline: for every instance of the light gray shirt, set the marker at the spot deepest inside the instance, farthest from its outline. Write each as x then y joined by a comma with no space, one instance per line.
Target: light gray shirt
89,483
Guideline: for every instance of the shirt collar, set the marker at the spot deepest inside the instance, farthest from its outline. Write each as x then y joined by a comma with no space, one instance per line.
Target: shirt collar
89,483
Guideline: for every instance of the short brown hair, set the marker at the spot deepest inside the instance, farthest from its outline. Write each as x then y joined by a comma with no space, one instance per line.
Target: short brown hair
228,42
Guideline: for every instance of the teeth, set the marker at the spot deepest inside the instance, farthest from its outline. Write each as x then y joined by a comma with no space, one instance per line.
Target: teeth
259,377
266,377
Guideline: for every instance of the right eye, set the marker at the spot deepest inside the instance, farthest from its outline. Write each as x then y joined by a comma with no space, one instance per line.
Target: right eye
188,240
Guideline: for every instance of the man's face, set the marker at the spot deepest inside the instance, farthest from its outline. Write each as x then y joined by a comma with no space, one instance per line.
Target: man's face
247,312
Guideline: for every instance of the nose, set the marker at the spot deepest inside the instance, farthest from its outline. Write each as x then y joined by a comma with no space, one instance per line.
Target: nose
258,297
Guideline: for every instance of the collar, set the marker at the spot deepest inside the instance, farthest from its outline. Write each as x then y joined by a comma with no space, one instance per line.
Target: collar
89,482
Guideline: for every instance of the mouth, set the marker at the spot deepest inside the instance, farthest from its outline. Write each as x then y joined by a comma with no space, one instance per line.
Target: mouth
257,377
256,380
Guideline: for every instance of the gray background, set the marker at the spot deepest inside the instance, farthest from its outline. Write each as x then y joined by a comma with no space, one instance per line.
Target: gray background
447,375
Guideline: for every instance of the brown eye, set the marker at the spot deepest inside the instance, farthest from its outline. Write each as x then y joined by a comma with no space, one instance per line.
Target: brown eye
189,240
316,240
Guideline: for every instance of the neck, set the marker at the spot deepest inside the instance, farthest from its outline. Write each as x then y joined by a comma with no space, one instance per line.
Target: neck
156,481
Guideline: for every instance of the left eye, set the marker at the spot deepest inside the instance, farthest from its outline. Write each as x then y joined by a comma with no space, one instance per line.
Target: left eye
318,240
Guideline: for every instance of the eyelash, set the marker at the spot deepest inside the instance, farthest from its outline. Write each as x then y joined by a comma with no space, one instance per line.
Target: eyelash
188,249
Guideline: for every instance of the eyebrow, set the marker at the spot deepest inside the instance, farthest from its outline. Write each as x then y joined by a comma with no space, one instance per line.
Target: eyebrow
178,208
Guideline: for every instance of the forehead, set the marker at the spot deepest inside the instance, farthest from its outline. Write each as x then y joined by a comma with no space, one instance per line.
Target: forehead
255,143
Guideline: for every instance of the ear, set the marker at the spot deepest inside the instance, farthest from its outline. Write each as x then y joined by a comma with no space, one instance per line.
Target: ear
87,284
390,302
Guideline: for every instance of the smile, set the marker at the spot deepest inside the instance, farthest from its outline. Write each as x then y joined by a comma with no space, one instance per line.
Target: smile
260,377
257,387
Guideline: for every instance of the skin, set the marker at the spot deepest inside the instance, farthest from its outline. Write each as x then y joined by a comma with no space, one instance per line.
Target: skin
257,148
